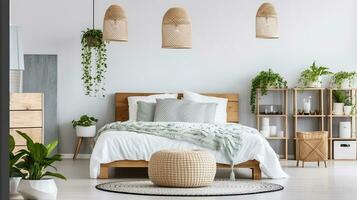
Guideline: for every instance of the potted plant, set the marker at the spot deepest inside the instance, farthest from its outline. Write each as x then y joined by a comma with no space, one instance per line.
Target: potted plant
93,73
312,77
14,171
348,107
340,98
344,79
263,81
85,126
35,160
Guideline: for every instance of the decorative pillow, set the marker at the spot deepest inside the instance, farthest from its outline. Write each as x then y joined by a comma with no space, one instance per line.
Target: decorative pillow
170,110
146,111
221,109
133,106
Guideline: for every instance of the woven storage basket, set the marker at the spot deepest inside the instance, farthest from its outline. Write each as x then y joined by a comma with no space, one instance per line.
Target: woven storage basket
179,168
312,146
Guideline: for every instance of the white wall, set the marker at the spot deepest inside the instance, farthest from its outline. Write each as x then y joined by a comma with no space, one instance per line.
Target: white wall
224,58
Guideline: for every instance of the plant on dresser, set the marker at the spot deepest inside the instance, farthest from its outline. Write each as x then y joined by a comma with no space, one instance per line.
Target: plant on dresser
85,126
33,165
263,81
312,77
343,79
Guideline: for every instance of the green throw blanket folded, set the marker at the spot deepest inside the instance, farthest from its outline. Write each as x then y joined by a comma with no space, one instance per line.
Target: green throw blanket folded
219,137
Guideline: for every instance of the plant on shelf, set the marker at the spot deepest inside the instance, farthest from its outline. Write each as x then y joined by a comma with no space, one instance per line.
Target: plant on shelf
343,79
85,126
349,107
35,160
312,77
340,98
263,81
93,73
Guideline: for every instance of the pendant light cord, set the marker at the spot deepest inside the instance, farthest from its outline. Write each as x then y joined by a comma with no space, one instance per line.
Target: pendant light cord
93,15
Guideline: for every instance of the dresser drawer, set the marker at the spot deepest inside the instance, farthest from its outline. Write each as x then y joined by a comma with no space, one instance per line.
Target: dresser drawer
34,133
25,119
26,101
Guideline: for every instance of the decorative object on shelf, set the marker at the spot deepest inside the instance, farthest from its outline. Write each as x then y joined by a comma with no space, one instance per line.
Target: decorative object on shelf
340,97
270,110
281,134
115,25
93,73
273,132
345,130
85,128
265,127
307,105
343,80
176,29
263,81
312,77
16,59
344,150
14,171
266,22
34,162
348,108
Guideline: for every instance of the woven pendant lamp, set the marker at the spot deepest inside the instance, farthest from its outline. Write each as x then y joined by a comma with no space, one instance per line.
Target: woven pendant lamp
266,24
176,29
115,26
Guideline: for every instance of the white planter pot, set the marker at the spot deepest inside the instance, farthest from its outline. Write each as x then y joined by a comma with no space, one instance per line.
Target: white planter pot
338,108
38,189
86,131
347,110
345,84
315,84
13,185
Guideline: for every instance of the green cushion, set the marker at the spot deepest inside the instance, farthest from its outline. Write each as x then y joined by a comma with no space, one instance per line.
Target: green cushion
146,111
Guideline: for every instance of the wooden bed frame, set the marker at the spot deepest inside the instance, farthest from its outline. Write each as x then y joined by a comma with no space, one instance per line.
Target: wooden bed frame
122,114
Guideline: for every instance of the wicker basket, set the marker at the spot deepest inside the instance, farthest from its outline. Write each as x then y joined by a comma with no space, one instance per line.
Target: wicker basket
312,147
178,168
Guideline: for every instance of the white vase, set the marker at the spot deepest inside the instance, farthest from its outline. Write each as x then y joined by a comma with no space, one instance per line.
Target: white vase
338,108
86,131
315,84
38,189
13,185
273,131
347,110
345,130
266,133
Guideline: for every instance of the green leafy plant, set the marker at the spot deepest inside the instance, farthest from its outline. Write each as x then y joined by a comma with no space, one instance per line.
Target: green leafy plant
339,96
14,171
84,120
341,76
37,158
262,81
312,74
93,73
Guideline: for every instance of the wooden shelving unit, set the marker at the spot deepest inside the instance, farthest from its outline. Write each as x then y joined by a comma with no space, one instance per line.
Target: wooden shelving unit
352,92
283,116
297,116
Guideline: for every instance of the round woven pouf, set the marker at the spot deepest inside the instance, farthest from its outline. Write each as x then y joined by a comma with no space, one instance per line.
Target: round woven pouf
180,168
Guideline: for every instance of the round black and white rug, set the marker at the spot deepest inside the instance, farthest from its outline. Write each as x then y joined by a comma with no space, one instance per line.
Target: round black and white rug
218,188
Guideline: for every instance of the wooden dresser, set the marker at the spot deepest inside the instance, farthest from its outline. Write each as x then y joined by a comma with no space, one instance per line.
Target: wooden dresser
26,115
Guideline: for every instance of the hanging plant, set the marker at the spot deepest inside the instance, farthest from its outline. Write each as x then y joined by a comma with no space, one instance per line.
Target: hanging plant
263,81
94,62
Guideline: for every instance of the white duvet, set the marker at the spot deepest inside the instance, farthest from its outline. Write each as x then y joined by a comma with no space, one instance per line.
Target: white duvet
124,145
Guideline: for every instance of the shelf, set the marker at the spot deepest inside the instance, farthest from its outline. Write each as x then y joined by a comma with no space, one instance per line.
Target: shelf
308,89
346,89
342,116
260,115
302,116
276,89
342,138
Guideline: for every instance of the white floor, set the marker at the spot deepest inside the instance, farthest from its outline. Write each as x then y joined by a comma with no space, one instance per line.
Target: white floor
338,181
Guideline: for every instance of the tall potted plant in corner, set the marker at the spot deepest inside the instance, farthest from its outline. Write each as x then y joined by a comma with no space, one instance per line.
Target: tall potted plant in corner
36,159
312,77
85,126
343,80
14,171
263,81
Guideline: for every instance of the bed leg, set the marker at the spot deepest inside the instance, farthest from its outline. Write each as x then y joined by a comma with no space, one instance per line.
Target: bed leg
256,173
104,172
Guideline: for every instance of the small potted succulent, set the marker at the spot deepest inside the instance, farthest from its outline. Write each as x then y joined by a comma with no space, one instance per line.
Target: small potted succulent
35,160
344,80
85,126
263,81
340,98
312,77
14,171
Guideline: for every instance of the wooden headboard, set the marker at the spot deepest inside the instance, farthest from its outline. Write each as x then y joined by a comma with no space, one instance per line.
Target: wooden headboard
122,107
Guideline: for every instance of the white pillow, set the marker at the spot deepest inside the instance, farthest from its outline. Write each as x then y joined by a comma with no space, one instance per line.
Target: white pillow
133,105
221,109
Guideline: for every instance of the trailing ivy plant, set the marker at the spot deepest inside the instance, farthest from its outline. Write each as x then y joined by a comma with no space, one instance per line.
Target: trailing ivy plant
341,76
312,74
262,81
94,62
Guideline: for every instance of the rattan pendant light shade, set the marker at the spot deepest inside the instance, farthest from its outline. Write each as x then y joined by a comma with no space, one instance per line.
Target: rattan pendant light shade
176,29
115,26
267,26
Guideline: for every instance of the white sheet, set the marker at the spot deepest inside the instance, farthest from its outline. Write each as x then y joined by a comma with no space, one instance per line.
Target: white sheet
123,145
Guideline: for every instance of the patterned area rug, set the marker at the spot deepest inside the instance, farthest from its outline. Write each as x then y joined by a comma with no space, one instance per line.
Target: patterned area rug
218,188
